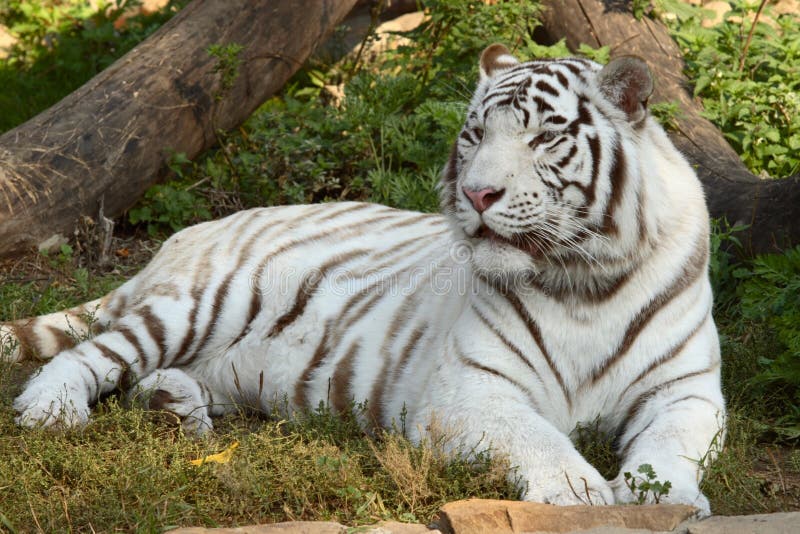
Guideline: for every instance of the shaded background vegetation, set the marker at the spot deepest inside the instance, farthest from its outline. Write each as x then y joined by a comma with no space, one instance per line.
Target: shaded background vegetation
386,141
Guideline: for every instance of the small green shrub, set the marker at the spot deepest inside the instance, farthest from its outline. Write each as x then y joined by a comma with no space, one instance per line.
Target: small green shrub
169,205
770,292
722,265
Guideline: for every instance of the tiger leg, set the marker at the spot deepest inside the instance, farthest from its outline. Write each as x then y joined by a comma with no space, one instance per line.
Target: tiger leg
175,391
676,431
499,417
47,335
145,339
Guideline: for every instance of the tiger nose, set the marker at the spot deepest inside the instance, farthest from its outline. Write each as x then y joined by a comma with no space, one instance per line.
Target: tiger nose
484,198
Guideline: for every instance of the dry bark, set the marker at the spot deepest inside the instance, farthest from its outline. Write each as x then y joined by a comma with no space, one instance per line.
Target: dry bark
109,140
770,207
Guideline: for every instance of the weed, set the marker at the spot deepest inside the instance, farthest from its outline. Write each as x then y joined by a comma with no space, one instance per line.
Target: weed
227,65
722,266
667,114
646,488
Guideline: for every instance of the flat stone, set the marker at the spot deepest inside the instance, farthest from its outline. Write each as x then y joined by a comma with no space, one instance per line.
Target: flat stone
393,527
480,515
290,527
782,523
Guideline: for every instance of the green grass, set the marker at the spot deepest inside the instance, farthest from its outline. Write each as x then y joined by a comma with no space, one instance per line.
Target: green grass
131,470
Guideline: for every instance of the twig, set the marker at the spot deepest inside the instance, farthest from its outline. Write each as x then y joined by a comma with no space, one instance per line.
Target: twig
750,35
569,482
586,490
374,14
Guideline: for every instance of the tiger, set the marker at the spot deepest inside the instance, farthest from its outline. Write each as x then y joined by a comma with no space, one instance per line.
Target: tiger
564,283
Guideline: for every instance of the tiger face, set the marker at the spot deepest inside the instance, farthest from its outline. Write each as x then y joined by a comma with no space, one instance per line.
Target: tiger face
540,173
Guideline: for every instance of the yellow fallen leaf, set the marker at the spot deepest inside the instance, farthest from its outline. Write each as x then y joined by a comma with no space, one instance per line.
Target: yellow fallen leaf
220,458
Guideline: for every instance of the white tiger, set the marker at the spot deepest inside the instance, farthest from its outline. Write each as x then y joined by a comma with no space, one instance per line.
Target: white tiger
565,284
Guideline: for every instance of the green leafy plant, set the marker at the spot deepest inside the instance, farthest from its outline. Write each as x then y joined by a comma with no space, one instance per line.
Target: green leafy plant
770,292
750,89
169,205
647,486
60,45
722,265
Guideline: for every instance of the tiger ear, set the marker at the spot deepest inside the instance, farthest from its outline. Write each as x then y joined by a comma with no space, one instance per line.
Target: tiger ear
494,58
627,82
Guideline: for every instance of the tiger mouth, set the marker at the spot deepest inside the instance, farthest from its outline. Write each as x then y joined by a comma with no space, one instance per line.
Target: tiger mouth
525,242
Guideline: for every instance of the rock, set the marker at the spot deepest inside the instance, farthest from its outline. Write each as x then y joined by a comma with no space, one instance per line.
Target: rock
478,515
720,9
291,527
6,41
386,37
393,527
784,7
783,523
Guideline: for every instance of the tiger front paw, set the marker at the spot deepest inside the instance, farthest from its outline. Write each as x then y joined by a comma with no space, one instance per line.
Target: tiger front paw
60,407
571,487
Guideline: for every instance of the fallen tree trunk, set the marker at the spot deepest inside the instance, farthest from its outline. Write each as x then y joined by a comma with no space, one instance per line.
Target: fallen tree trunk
770,207
109,140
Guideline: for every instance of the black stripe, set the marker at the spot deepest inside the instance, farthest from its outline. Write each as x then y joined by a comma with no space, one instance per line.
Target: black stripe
342,377
672,353
220,296
494,372
308,287
536,334
125,380
637,405
300,393
563,162
618,178
541,104
155,329
562,79
693,268
546,88
624,449
92,397
255,308
510,345
131,338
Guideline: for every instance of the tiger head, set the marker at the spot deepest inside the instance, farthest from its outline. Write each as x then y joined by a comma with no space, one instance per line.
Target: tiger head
544,175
